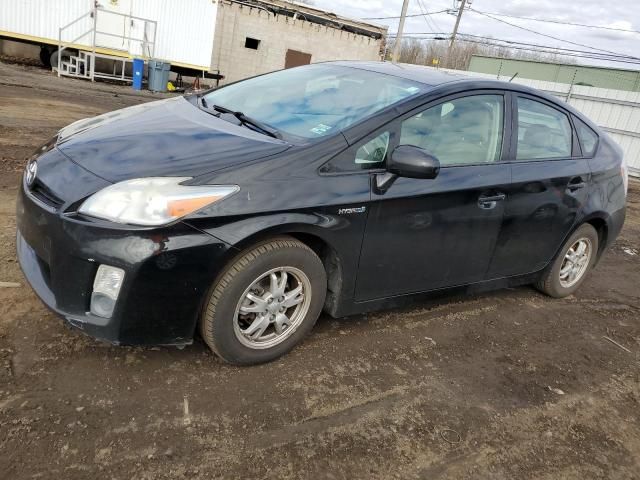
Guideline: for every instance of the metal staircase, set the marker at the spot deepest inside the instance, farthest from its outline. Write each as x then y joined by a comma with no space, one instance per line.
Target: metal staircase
93,43
76,66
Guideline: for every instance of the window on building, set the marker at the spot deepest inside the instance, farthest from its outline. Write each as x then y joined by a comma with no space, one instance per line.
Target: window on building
588,138
543,131
465,130
252,43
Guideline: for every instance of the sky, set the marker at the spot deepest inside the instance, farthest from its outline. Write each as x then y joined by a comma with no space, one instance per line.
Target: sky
624,14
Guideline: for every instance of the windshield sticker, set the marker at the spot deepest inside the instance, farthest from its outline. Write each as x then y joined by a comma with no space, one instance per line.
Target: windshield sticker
412,90
320,129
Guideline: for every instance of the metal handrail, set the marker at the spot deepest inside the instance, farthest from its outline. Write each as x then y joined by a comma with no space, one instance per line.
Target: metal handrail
62,46
71,42
133,17
123,37
75,21
147,45
143,40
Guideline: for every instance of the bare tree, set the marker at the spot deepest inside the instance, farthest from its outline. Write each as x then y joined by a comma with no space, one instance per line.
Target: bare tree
434,52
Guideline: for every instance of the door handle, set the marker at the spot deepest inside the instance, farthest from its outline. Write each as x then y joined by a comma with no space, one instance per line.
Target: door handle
489,201
576,186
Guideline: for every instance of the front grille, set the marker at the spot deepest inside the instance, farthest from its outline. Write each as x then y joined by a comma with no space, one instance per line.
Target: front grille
43,194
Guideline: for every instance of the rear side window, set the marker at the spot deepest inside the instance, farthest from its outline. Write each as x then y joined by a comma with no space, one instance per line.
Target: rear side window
588,138
543,131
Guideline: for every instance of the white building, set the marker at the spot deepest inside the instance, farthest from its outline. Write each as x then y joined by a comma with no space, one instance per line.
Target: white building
232,38
258,36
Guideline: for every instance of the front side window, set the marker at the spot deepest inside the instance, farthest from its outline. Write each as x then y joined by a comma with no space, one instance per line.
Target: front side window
543,131
374,152
315,100
465,130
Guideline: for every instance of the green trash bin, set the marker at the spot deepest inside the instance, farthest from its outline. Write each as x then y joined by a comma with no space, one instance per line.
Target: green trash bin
158,75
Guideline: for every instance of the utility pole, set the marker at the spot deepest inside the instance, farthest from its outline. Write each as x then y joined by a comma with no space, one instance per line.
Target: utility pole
455,31
398,41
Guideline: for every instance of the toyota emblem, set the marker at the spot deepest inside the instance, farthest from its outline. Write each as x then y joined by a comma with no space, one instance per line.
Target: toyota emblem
30,174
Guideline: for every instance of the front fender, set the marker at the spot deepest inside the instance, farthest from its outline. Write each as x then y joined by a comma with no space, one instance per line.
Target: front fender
236,231
338,235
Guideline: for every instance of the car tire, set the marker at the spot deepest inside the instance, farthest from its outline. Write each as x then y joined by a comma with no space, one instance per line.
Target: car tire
246,295
66,56
555,281
45,56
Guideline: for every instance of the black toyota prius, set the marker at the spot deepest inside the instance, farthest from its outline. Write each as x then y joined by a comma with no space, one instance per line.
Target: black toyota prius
244,212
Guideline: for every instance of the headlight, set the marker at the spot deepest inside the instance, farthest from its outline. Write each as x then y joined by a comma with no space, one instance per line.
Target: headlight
152,201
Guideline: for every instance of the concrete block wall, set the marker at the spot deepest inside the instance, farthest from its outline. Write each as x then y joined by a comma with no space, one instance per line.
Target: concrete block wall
19,49
277,34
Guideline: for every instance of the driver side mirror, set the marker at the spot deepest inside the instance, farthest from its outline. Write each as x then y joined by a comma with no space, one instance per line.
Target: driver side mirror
413,162
407,161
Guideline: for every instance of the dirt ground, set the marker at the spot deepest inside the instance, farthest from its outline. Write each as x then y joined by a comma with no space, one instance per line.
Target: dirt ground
505,385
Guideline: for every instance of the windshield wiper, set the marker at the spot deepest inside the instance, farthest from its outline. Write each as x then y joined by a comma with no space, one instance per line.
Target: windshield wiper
258,125
246,120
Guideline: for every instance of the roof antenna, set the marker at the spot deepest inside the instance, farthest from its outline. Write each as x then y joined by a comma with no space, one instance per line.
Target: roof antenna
514,76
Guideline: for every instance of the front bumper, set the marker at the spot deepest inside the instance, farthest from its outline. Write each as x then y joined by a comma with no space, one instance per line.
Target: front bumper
167,272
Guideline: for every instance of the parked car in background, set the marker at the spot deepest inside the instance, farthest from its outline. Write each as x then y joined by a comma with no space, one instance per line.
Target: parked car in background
345,187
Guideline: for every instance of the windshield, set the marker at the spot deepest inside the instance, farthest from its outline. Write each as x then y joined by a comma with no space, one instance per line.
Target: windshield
314,100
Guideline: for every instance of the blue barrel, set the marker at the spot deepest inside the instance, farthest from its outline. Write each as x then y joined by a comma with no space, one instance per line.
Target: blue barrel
138,70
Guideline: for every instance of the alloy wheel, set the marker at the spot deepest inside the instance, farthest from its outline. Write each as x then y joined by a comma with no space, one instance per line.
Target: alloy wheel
575,262
272,307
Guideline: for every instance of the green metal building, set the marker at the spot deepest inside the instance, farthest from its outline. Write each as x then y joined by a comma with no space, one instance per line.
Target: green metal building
603,77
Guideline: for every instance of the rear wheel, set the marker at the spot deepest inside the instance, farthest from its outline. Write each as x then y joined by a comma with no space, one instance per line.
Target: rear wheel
265,302
570,267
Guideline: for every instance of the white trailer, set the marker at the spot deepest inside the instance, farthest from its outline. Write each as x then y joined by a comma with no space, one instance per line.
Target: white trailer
178,32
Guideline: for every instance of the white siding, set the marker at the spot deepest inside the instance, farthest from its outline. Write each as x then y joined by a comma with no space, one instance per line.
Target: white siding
185,28
42,18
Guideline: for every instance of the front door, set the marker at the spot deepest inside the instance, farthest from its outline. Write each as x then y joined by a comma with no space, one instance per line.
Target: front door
427,234
294,58
550,184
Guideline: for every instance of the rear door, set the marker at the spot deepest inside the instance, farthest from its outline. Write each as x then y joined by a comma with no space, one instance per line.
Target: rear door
427,234
550,184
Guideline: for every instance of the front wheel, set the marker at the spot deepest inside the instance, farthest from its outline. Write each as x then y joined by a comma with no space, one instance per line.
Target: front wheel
570,267
265,302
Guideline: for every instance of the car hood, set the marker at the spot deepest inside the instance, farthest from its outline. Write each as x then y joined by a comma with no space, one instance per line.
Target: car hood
164,138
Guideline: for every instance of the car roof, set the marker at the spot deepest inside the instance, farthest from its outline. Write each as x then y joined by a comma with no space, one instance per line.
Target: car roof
417,73
434,77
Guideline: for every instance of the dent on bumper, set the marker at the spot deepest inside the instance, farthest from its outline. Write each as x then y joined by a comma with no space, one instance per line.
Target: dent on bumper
167,274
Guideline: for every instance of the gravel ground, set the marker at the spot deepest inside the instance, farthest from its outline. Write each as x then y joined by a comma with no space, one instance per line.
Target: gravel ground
509,384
